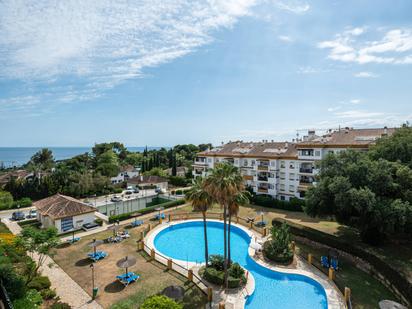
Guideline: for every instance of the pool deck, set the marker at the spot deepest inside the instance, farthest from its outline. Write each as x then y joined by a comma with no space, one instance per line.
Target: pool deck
236,298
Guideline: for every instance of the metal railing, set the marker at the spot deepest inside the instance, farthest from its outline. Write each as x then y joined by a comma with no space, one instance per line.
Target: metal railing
4,297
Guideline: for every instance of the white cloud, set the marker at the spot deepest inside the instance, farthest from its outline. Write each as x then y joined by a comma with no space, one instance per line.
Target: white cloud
311,70
355,101
297,7
285,38
366,75
392,48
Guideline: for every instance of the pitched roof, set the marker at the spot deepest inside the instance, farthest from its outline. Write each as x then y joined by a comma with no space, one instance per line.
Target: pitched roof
253,150
146,179
61,206
348,137
5,178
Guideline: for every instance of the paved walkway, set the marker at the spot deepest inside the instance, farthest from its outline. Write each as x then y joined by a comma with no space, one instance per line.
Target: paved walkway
66,288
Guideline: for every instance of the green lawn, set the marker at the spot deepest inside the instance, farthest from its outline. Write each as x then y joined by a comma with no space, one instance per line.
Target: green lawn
366,291
4,229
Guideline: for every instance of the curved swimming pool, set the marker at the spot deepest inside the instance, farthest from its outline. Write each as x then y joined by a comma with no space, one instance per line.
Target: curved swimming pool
184,241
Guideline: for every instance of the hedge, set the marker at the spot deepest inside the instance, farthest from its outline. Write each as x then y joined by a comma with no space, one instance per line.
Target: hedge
216,277
146,210
294,204
400,282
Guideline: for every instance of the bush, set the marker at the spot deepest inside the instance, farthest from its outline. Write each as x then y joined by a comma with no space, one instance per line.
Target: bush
236,271
39,283
213,275
6,200
160,302
294,204
117,190
60,305
32,299
14,284
392,275
146,210
178,181
48,294
29,222
278,248
23,202
98,221
217,261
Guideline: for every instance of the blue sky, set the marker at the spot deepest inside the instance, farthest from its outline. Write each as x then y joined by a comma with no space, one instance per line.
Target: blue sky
73,73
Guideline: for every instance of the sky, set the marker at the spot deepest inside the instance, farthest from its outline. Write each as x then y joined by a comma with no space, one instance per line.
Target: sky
160,73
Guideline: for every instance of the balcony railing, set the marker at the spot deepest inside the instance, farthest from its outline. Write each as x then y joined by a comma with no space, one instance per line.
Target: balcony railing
306,170
262,178
263,190
247,177
263,167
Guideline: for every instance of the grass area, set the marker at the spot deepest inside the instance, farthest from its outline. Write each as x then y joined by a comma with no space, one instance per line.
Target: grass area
154,277
366,291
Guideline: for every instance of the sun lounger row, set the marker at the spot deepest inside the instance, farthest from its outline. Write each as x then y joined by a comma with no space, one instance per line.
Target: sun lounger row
157,217
136,223
325,262
73,240
128,278
99,255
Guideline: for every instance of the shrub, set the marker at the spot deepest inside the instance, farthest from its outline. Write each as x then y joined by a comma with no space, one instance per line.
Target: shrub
178,181
294,204
391,274
160,302
236,271
6,200
48,294
213,275
32,299
278,248
216,261
23,202
15,284
60,305
39,283
98,221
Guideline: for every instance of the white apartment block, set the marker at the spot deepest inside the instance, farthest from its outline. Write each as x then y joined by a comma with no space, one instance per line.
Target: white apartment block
282,169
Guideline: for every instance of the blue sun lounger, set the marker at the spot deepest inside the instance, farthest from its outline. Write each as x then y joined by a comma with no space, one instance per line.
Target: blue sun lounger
136,223
73,240
99,255
162,215
334,264
260,223
324,261
128,278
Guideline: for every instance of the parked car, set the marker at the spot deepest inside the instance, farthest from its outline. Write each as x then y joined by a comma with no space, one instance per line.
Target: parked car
32,214
89,226
136,190
116,199
17,216
128,192
160,190
129,188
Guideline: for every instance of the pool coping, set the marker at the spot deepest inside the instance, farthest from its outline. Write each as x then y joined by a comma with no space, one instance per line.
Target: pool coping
333,295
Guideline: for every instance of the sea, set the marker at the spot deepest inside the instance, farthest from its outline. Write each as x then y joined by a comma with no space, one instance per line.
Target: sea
17,156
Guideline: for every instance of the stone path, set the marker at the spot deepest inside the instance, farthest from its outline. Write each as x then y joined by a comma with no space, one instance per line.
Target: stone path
66,288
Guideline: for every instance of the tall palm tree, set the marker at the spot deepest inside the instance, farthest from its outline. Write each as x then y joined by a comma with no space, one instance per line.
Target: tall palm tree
224,184
241,199
201,201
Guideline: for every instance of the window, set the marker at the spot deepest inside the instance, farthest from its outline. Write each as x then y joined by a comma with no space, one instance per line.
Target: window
66,224
282,164
317,153
273,163
282,187
209,160
270,186
291,188
282,175
282,197
291,165
245,162
291,176
253,162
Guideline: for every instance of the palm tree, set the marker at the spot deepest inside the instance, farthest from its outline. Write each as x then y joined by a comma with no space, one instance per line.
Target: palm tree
224,184
201,201
242,198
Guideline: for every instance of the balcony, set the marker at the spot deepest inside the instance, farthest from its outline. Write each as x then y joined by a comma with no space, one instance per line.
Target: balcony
262,178
262,190
263,167
248,177
306,170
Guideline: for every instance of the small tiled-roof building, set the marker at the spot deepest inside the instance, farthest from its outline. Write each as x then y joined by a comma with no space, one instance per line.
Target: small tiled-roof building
144,181
63,212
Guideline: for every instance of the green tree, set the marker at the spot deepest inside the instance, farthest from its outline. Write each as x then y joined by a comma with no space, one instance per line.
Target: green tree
6,200
108,164
201,201
397,147
40,242
156,171
278,247
41,161
160,302
224,184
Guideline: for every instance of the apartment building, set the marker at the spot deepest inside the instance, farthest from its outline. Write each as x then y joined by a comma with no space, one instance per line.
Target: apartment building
285,169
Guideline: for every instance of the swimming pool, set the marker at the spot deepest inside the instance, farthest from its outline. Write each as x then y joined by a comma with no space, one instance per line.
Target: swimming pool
184,241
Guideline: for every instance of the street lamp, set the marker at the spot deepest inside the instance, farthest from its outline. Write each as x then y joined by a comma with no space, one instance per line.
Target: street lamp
95,289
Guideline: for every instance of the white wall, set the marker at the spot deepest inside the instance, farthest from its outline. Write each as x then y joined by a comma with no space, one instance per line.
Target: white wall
78,221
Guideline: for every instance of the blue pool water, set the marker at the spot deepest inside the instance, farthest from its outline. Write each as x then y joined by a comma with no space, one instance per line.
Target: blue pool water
273,289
